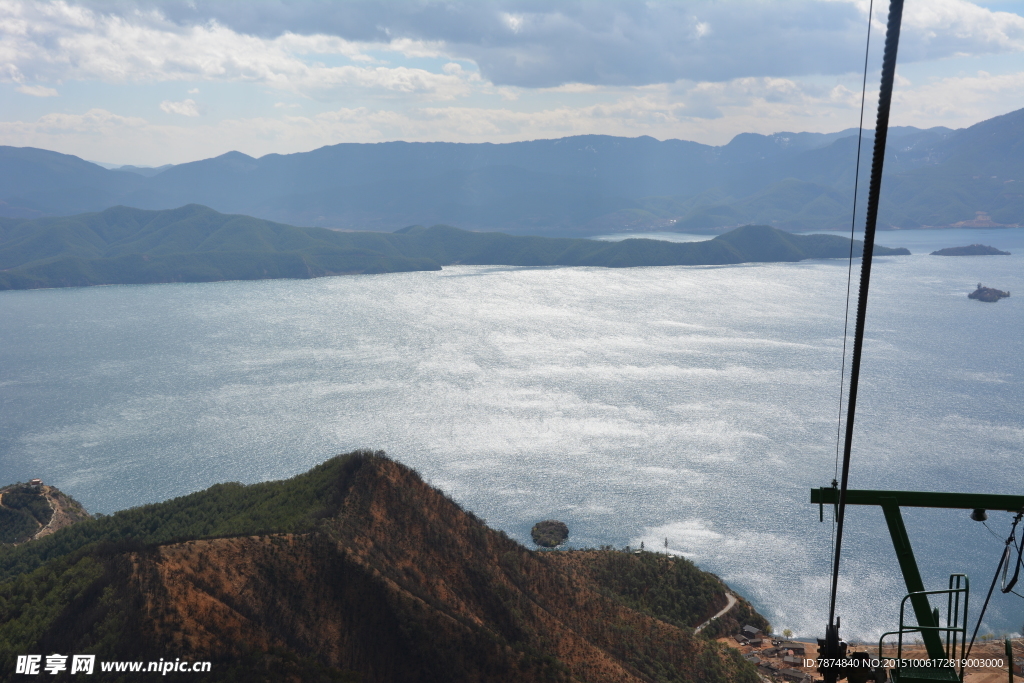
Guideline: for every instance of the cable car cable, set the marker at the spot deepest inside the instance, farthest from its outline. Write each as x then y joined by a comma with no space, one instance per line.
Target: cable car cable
1003,557
849,267
994,534
1019,547
892,38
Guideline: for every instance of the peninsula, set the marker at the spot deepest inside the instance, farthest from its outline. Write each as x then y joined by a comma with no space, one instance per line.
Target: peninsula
358,570
193,243
34,510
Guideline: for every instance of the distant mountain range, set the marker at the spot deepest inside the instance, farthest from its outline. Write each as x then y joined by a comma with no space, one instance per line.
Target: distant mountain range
194,243
357,571
578,186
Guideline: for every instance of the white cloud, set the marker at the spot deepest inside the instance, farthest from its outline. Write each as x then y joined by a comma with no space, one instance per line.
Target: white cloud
56,41
97,125
320,44
682,110
185,107
574,88
37,90
526,44
514,22
610,68
416,49
958,101
945,28
614,43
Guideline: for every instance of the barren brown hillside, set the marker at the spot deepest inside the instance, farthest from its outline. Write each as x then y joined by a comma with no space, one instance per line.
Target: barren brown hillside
399,584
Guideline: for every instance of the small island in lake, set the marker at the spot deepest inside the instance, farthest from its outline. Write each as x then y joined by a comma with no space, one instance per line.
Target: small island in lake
970,250
987,294
550,533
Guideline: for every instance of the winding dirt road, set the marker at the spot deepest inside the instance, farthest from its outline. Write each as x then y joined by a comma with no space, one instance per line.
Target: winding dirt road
732,603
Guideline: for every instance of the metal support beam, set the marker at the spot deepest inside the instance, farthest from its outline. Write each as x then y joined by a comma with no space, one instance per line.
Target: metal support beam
912,576
922,499
1009,656
890,502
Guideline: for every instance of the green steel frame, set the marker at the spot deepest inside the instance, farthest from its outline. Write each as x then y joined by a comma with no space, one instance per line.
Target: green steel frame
955,630
891,502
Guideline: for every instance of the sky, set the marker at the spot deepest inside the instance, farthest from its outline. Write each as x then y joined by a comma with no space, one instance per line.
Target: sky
157,82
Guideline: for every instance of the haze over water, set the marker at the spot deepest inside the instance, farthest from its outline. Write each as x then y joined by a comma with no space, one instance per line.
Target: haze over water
693,404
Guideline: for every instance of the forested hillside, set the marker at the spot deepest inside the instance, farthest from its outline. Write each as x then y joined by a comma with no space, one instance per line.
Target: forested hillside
196,244
356,570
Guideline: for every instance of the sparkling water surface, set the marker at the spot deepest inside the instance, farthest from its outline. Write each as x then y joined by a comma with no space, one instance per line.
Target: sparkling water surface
689,405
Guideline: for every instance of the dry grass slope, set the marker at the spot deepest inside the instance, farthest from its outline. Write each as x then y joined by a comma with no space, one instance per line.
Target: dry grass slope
400,584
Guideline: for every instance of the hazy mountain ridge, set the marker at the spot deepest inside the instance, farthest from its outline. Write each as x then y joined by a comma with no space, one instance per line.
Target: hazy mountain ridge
197,244
369,571
572,185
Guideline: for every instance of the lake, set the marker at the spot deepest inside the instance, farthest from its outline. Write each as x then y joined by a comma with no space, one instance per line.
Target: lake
693,406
